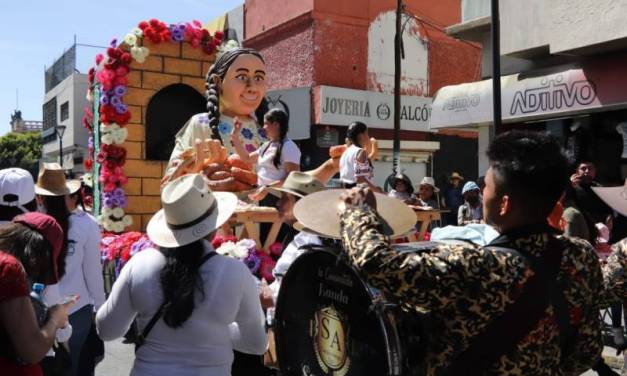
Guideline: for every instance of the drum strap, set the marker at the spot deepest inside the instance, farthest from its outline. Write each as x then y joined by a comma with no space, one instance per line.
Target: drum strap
505,332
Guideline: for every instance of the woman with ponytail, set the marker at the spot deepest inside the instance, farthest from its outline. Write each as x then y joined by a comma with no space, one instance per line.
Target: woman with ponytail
236,88
193,307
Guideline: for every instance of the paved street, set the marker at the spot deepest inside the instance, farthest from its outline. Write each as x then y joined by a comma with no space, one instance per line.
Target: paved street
119,360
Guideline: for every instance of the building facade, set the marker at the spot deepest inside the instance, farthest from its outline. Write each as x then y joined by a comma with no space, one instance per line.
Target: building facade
64,105
342,51
564,70
19,125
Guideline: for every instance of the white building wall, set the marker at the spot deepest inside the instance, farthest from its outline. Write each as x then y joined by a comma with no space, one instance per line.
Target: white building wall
72,90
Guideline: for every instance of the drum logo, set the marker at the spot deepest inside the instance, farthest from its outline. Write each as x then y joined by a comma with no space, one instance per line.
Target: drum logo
330,342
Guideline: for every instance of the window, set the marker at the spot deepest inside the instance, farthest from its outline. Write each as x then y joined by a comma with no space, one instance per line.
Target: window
65,111
167,112
49,120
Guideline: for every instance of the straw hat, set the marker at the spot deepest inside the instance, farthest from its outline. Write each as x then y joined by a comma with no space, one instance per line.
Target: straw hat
614,197
320,212
427,180
191,211
298,184
52,182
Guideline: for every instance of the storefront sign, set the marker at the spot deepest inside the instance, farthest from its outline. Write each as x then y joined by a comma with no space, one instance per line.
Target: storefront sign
524,98
340,106
327,137
297,104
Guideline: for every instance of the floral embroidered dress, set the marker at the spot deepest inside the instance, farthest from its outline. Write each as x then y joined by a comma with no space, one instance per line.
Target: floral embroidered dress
465,286
197,127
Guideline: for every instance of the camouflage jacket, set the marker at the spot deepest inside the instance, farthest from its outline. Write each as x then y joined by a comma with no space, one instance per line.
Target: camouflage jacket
465,286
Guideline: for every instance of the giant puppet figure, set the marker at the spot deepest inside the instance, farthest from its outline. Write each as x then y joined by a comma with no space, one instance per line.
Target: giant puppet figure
236,89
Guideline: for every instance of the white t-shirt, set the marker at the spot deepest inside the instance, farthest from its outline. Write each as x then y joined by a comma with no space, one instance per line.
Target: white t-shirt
228,317
351,168
267,172
83,266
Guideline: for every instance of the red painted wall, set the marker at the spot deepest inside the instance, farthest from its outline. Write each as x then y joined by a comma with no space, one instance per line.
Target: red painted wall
262,15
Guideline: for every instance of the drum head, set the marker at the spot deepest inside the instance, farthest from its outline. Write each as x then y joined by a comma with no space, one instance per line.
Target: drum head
323,322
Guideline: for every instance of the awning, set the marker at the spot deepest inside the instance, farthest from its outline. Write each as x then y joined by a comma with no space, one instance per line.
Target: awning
566,91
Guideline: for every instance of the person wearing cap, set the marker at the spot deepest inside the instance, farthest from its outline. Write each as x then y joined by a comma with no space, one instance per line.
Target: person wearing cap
427,199
453,197
493,307
471,210
203,305
402,188
296,186
30,249
81,271
17,193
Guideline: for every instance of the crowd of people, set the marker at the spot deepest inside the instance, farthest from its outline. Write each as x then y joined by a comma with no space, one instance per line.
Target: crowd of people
524,301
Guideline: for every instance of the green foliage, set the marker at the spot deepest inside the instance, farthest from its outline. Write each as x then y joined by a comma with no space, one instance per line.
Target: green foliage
21,150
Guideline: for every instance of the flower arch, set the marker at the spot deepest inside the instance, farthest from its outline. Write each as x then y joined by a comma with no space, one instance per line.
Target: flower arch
106,118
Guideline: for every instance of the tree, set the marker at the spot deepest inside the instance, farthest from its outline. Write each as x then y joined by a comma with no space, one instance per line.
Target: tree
21,150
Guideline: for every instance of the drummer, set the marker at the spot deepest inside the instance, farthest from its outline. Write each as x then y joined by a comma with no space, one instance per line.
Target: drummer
492,306
296,186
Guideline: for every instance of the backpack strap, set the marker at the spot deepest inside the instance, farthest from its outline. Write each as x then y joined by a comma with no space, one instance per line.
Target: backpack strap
504,333
141,338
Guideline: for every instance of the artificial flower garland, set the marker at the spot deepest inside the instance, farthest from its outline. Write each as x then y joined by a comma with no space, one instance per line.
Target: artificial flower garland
258,262
111,73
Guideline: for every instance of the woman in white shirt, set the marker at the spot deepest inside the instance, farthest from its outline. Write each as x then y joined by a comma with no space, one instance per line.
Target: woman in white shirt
355,168
81,270
203,305
275,159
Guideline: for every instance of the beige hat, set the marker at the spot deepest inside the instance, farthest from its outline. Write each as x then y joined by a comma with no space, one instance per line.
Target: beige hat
614,197
298,184
456,175
51,182
191,211
429,181
319,212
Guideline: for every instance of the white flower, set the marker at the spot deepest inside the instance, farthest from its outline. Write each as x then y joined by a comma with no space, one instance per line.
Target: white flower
106,139
130,39
118,226
139,53
240,252
117,213
139,33
127,220
248,244
226,249
107,224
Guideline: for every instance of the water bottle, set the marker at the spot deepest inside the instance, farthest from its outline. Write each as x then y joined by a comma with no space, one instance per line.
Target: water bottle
37,299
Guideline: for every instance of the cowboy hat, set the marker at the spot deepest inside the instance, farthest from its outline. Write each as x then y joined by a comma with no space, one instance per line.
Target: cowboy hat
191,211
427,180
320,212
51,181
614,197
299,184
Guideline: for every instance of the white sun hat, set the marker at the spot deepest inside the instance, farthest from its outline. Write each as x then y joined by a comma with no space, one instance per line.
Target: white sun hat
191,211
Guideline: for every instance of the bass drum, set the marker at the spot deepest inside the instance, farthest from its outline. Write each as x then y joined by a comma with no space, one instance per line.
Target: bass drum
329,322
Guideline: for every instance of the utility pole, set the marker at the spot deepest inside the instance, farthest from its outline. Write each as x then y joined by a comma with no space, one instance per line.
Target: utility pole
496,69
398,40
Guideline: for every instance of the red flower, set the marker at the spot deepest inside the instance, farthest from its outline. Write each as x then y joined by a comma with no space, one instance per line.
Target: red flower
89,164
142,25
219,35
126,58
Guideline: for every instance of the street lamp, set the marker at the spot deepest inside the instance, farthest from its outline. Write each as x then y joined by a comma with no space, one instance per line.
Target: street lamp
60,131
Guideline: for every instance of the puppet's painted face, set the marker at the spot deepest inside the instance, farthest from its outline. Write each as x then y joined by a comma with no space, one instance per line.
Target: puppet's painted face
243,86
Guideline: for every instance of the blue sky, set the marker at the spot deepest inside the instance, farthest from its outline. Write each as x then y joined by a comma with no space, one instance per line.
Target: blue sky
35,32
